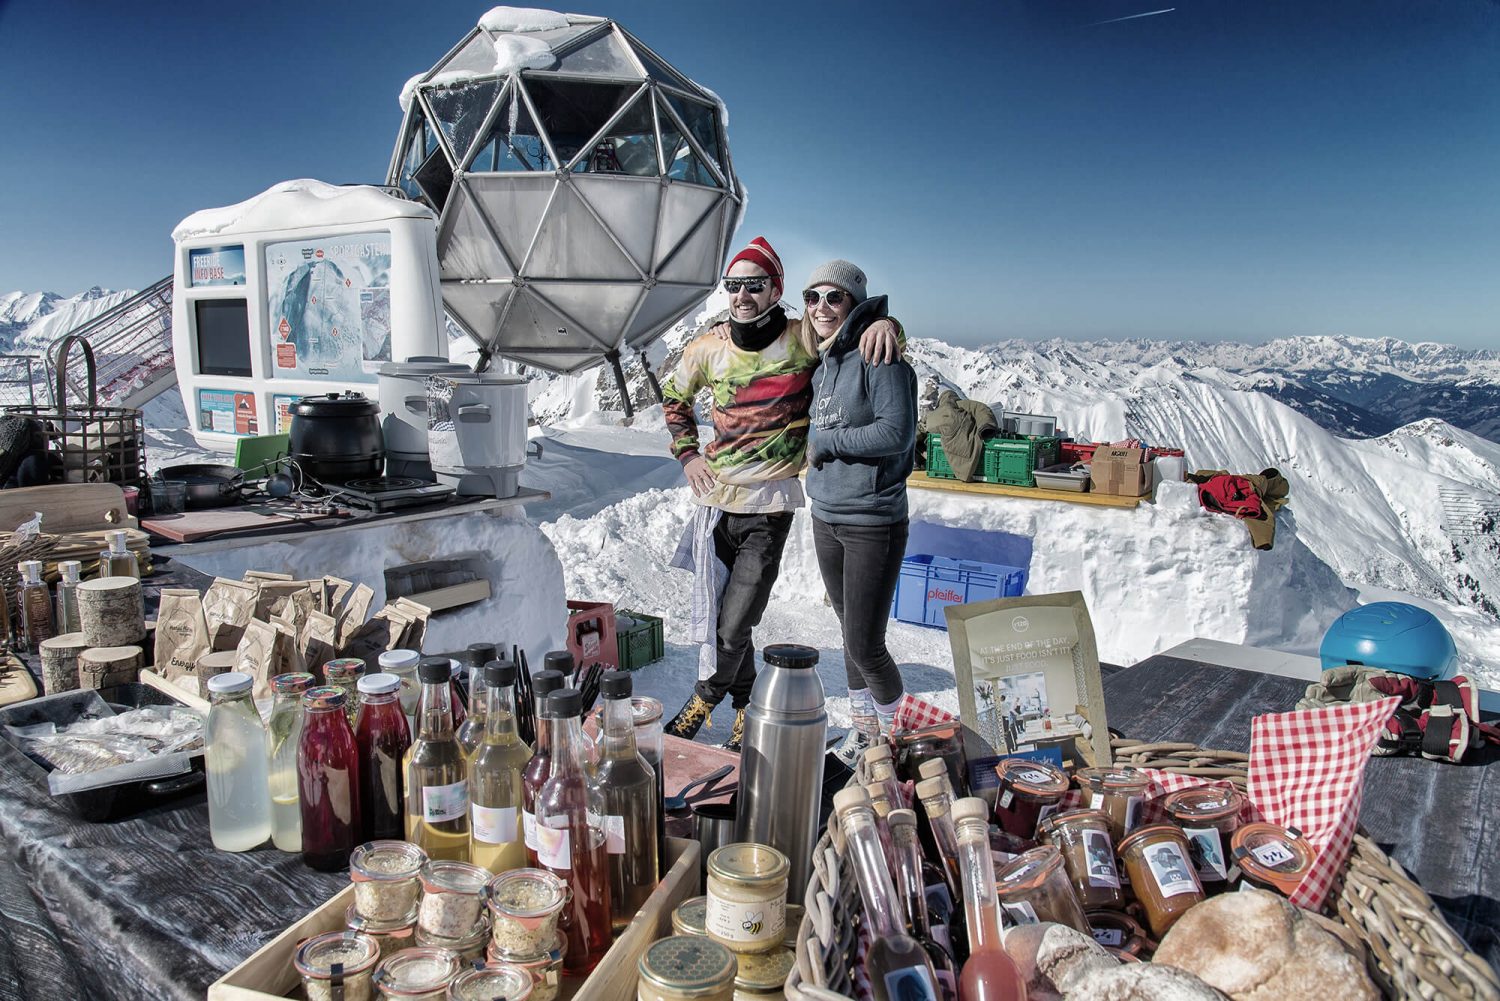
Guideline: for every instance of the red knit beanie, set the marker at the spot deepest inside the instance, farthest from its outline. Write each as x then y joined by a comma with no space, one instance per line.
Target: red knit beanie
760,254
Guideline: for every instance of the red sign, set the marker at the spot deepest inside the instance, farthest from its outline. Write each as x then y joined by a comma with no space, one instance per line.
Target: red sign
283,328
286,356
244,413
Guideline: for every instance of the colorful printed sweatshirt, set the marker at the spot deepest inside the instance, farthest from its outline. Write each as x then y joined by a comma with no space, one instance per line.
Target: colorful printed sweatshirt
760,406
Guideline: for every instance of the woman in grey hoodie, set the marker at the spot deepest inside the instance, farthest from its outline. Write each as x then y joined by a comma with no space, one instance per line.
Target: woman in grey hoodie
859,451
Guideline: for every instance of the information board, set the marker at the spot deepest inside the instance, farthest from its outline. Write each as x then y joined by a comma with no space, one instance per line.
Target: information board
329,307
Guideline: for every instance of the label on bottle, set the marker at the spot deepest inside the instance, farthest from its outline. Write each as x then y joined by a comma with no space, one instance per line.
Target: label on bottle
1101,859
448,802
528,828
494,825
755,923
1021,912
1207,851
910,984
947,982
1111,937
1171,871
553,847
614,834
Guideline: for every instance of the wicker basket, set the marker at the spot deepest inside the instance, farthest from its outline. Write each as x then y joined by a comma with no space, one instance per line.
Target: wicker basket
1410,950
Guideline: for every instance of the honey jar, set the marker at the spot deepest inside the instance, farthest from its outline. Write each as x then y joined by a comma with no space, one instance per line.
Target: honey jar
1035,887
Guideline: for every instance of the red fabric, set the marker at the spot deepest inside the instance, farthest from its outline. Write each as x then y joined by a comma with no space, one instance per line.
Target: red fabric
1307,770
914,714
760,254
1232,495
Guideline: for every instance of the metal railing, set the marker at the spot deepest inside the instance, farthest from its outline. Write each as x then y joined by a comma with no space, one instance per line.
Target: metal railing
133,345
16,388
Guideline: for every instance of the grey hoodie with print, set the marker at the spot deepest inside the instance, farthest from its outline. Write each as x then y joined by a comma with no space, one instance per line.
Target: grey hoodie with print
861,430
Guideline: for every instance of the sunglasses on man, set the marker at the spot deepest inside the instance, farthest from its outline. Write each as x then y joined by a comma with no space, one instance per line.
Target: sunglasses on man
834,297
755,286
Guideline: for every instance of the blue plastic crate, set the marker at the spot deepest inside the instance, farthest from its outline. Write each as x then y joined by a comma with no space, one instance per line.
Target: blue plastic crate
928,584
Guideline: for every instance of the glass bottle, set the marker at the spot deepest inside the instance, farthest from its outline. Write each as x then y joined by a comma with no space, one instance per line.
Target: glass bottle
327,781
382,737
627,784
989,974
236,765
403,664
882,807
908,874
880,768
67,597
437,787
898,967
36,606
933,795
495,788
344,674
570,836
285,737
539,767
471,733
649,742
117,560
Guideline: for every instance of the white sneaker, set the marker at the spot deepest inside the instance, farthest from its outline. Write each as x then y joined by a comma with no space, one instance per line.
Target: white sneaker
853,748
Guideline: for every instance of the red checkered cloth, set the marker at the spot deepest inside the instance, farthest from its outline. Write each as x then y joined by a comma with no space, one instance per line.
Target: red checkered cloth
1307,770
914,714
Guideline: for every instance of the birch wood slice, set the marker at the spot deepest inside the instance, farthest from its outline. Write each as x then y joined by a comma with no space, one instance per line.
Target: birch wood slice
211,665
111,612
60,662
105,667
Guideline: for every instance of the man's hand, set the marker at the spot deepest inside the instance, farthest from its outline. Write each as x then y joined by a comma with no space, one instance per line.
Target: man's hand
699,476
878,343
721,330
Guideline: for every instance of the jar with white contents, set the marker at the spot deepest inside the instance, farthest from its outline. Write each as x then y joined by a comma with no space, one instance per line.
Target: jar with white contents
747,897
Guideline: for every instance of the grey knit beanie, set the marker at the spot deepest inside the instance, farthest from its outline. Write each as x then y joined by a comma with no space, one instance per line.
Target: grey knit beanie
840,274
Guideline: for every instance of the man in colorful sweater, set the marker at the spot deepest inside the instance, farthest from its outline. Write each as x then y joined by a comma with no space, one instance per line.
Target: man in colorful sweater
760,376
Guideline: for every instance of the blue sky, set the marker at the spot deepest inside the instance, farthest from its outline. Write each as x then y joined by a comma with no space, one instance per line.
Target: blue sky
1230,168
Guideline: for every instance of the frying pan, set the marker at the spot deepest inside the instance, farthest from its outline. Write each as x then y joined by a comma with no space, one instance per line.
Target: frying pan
208,485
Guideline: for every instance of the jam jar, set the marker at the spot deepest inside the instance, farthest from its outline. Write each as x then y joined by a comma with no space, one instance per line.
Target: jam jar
525,905
943,741
392,936
1119,792
355,952
1272,857
1119,933
1159,863
1209,816
1029,790
387,878
1088,854
417,975
544,967
686,968
747,897
486,983
1035,887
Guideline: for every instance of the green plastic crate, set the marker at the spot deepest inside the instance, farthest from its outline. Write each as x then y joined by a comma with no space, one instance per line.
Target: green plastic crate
1015,460
937,461
641,644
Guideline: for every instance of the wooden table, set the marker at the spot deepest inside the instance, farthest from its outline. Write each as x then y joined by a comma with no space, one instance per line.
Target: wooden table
921,481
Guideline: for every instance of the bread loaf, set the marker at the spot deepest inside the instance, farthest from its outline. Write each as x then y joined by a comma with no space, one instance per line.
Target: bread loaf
1054,957
1144,982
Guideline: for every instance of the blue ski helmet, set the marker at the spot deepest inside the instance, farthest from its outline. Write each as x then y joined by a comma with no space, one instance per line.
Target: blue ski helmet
1392,636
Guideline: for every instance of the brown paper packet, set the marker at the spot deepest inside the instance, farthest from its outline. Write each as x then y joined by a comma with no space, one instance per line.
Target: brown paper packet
383,632
288,648
277,595
260,575
256,655
419,613
337,588
181,633
228,606
355,610
311,600
319,642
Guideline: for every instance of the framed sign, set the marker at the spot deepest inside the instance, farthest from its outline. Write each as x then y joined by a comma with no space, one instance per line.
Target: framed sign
1028,672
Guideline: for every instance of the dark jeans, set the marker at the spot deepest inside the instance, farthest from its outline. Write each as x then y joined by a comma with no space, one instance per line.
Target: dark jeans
750,546
860,566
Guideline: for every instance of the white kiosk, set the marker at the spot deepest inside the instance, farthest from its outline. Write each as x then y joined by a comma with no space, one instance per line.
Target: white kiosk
306,288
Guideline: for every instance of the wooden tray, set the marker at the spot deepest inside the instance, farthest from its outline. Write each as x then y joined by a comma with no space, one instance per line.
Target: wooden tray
268,974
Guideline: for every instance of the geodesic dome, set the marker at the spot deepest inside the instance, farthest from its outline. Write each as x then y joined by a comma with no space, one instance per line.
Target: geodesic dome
584,187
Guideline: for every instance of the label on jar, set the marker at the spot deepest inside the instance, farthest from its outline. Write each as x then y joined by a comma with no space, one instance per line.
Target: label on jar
1172,872
1006,798
1273,854
1096,801
553,848
1112,938
1021,912
751,923
1034,777
614,834
447,802
528,828
494,825
1101,860
910,983
1208,852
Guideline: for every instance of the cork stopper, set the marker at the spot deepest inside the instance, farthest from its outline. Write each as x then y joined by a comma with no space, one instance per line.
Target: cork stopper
877,792
970,808
877,752
928,788
71,570
932,768
902,818
851,798
117,540
31,571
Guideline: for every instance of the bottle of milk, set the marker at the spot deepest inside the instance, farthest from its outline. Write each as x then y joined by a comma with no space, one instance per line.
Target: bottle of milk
236,760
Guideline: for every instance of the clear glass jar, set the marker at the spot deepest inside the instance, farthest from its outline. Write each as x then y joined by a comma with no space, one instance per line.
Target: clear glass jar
1119,933
417,975
747,884
1162,877
691,917
762,975
490,982
1209,816
344,674
1088,854
403,664
452,897
392,937
1035,887
1029,791
686,968
545,968
1120,793
1272,857
469,946
524,906
356,952
387,877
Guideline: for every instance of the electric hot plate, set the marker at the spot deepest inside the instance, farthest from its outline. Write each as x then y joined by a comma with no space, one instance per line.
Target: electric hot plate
387,493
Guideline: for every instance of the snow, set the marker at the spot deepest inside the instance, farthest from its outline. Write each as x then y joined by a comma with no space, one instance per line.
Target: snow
514,53
409,90
301,202
522,19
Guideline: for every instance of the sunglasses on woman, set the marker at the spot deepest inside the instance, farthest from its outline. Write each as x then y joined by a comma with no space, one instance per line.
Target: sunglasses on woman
755,286
834,297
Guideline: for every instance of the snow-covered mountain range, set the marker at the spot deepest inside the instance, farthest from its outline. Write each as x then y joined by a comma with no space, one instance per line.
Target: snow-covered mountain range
30,321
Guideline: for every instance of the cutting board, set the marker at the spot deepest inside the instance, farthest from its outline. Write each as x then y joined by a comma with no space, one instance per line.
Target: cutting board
16,683
192,526
66,507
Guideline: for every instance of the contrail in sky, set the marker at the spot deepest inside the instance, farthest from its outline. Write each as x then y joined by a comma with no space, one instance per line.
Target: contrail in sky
1132,17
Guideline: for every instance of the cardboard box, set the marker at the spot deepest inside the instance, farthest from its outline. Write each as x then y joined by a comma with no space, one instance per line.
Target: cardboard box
1123,472
268,974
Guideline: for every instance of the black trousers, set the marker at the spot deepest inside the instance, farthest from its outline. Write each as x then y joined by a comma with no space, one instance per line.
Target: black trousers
860,566
750,546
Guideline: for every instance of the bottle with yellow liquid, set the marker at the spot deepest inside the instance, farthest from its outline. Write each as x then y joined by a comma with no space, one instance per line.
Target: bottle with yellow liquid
496,840
437,774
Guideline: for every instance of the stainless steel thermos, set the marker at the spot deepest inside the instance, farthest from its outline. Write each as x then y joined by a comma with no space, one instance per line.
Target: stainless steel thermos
781,761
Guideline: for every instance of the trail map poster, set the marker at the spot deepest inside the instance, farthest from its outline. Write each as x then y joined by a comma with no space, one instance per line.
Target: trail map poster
329,307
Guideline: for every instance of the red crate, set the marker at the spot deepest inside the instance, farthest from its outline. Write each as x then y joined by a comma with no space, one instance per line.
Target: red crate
591,633
1157,453
1076,451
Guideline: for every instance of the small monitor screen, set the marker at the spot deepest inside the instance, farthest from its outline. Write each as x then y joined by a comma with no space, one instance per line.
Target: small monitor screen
223,332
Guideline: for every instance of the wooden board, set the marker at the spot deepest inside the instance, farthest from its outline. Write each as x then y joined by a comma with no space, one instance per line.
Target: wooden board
190,526
151,679
16,683
66,507
924,482
268,974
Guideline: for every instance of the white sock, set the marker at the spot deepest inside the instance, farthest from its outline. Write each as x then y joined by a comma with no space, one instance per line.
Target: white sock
863,715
